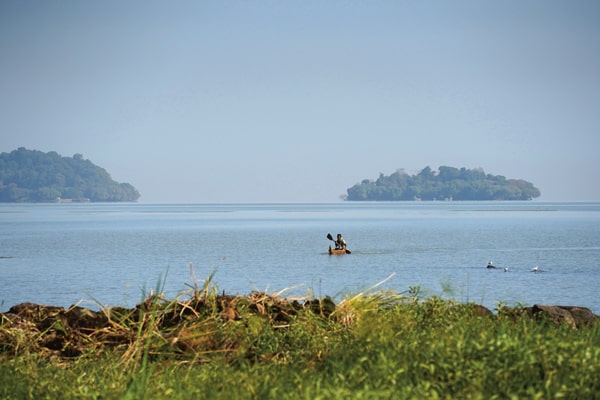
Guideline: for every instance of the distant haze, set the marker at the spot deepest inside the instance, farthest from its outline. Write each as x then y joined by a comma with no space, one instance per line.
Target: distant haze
296,101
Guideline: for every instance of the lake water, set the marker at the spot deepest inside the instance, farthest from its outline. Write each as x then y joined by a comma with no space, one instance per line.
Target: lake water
113,254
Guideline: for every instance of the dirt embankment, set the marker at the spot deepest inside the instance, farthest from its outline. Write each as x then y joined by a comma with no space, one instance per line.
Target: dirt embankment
29,327
33,328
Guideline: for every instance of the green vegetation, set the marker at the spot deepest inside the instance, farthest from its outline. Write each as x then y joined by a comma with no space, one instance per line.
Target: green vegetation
34,176
447,183
378,345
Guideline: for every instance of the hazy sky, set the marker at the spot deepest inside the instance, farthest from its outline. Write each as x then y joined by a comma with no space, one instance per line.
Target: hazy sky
296,101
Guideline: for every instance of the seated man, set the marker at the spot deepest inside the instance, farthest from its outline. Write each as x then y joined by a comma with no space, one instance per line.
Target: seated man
340,243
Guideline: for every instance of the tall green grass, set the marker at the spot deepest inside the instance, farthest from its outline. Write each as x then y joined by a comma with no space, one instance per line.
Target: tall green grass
377,345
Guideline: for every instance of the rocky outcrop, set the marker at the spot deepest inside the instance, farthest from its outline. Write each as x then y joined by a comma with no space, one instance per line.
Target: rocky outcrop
30,327
576,317
34,328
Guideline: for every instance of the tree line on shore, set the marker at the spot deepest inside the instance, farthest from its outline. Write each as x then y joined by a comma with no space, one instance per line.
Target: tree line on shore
35,176
446,183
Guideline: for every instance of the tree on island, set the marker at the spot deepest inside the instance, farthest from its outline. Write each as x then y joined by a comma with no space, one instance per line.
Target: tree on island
447,183
35,176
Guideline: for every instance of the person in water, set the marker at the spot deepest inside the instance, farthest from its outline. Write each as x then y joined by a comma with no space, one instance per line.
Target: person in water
340,243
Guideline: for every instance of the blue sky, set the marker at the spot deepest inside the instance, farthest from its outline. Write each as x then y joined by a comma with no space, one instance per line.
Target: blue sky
296,101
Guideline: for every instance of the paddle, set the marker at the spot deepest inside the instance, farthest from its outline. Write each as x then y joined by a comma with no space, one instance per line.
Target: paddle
330,237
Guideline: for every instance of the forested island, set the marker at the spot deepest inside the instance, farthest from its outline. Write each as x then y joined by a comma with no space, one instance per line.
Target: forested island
35,176
446,183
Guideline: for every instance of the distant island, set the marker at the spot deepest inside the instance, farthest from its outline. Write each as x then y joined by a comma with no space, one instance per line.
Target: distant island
35,176
446,183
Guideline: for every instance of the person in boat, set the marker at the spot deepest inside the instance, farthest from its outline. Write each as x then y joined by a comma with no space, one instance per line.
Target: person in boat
340,243
491,265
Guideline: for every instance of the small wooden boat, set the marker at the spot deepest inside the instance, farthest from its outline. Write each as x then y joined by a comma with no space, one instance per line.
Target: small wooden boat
338,251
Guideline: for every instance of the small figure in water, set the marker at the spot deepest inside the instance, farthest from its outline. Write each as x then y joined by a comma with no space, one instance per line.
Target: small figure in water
490,265
340,243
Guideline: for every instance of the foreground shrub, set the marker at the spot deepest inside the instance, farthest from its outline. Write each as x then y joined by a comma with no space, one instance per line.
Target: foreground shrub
380,345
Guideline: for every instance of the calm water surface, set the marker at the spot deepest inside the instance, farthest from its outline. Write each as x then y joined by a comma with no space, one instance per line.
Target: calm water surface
112,254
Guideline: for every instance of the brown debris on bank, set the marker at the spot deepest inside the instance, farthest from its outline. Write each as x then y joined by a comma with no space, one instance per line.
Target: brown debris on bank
181,325
32,328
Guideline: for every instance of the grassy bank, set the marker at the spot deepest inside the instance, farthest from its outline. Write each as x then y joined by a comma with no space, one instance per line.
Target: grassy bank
261,346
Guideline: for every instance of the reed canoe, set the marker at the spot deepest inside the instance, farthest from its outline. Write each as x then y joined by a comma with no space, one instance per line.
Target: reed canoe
338,251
